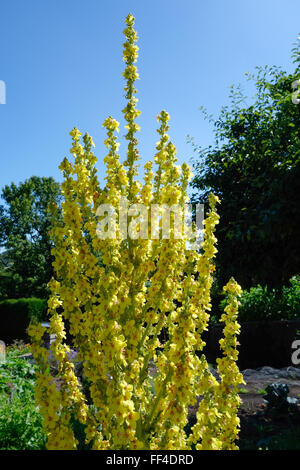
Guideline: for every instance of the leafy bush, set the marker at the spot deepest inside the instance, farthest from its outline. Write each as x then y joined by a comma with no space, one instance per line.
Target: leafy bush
20,420
253,166
291,297
261,303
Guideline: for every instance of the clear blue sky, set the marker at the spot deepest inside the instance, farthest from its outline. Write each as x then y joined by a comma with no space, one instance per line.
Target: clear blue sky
61,61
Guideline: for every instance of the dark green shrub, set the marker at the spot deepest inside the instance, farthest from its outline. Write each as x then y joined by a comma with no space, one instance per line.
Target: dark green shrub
16,314
260,303
32,307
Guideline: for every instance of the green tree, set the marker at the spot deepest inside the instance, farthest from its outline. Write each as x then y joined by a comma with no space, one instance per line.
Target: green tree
25,220
254,167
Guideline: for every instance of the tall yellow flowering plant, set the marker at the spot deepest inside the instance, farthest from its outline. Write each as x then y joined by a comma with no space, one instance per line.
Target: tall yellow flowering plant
119,292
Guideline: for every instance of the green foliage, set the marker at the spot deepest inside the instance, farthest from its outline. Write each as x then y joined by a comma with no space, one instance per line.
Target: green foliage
254,167
79,430
261,303
18,348
288,439
291,297
17,376
20,420
25,221
16,314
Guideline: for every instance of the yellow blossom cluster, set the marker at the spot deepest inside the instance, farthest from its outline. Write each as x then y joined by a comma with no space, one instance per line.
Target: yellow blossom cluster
136,307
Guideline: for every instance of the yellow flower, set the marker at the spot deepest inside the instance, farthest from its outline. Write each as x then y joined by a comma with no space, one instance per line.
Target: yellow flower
136,308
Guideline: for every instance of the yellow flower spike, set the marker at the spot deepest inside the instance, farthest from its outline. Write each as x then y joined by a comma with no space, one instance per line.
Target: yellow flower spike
136,307
75,134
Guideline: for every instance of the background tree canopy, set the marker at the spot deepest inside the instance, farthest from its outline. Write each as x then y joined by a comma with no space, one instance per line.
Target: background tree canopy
25,221
254,167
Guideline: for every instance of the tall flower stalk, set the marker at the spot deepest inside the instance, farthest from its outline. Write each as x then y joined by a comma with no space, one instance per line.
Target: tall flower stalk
121,295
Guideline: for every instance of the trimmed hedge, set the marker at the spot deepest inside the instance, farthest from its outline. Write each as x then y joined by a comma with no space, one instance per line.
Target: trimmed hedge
16,314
